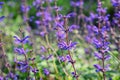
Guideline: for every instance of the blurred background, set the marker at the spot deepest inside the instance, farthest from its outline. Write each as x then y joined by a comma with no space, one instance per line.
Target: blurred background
16,18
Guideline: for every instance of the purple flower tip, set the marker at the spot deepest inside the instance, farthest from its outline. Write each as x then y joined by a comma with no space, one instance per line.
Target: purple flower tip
46,71
98,67
24,40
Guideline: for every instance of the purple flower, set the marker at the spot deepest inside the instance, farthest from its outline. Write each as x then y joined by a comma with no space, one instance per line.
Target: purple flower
92,16
34,70
106,46
43,57
10,75
88,39
25,8
23,41
87,50
68,58
62,58
59,25
115,3
117,15
105,49
107,57
31,18
41,79
63,45
72,14
32,59
20,51
38,14
57,8
47,16
1,18
73,27
60,34
103,10
104,29
107,67
98,67
74,75
90,29
98,55
106,18
38,22
76,4
110,79
1,4
95,29
49,57
72,45
97,43
1,78
22,66
36,3
50,0
43,33
42,49
46,71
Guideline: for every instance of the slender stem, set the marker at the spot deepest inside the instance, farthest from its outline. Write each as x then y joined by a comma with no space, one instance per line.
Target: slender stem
75,19
103,56
80,13
46,37
67,40
34,65
4,54
56,20
35,76
103,63
26,61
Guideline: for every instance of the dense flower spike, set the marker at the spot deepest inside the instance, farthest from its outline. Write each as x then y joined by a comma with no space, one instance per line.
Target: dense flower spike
100,39
63,41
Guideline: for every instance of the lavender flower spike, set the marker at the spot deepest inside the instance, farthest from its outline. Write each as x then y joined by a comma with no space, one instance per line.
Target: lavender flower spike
23,41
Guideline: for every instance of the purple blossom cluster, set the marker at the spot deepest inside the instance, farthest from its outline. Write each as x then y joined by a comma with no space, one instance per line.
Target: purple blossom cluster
24,64
99,37
62,34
